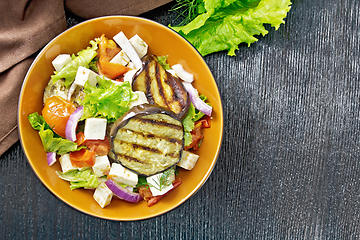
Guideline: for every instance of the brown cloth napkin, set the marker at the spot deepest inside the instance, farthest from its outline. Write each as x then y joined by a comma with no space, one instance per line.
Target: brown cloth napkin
27,26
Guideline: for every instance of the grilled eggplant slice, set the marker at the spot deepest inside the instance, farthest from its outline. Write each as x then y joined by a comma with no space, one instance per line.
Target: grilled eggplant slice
161,87
148,139
58,89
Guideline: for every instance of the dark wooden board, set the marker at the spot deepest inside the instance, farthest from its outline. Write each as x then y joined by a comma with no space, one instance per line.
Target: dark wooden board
289,165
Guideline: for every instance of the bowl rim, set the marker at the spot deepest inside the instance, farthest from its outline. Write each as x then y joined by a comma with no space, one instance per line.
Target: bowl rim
221,117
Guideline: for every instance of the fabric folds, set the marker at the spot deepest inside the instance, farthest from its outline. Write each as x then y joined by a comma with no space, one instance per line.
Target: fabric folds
26,27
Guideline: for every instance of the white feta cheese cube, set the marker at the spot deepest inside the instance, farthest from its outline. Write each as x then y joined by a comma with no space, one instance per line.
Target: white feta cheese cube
83,74
103,195
141,99
121,58
128,76
132,66
182,73
101,166
60,61
188,160
154,182
122,175
128,48
140,46
65,163
95,128
102,179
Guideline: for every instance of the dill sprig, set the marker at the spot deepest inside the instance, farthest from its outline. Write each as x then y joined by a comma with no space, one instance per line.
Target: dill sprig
188,9
163,180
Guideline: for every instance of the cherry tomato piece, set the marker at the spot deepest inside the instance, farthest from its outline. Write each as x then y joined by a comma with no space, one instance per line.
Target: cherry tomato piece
82,158
56,113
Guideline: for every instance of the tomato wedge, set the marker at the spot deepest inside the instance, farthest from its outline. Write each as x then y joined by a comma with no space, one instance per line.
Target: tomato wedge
112,70
150,199
197,136
80,138
82,158
56,113
107,49
145,193
100,147
205,121
156,199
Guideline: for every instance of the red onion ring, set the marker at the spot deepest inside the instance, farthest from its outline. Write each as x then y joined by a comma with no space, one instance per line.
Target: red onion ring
71,91
51,158
182,73
195,99
122,193
70,130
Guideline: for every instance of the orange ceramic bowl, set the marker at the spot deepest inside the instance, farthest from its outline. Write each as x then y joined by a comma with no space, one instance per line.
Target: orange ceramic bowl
161,41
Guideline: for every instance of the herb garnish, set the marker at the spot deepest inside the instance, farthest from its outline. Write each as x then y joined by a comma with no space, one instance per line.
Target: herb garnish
162,181
188,9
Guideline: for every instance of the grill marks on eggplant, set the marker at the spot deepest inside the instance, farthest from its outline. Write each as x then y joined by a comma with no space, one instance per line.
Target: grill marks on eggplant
159,123
150,137
130,159
161,87
149,144
145,148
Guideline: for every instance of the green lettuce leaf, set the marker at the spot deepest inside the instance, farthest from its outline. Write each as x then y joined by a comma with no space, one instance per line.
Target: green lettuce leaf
93,64
227,23
163,62
107,99
83,58
59,145
141,181
188,124
193,115
51,141
37,121
79,178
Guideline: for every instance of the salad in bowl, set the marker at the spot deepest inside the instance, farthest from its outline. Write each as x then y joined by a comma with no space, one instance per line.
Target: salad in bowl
120,120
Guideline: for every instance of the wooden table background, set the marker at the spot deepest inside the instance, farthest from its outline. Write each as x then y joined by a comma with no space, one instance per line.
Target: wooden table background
289,164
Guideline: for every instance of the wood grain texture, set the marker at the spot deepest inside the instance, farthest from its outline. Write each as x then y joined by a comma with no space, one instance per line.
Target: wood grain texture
289,166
